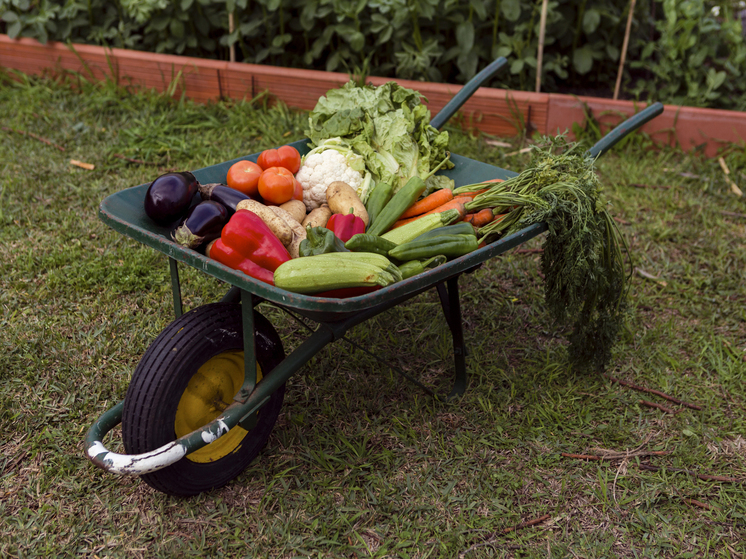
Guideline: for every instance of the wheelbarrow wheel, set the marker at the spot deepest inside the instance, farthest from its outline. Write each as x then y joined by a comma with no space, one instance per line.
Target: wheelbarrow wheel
187,376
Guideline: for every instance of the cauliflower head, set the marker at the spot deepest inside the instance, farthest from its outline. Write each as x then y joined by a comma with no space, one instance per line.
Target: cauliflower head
322,168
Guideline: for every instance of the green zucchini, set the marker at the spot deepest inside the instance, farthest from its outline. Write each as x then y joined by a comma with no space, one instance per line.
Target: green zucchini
326,272
414,229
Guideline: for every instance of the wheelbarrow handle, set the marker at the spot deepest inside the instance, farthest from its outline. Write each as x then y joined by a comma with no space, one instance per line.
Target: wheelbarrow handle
467,91
621,131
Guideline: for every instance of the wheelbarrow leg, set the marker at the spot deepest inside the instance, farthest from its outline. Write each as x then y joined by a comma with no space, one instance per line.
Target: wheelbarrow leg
175,286
449,300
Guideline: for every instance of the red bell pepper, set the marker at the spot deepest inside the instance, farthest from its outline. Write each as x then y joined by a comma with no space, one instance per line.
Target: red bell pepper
233,259
344,226
248,245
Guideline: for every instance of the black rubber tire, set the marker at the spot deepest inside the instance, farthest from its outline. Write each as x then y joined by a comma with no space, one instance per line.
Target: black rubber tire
161,378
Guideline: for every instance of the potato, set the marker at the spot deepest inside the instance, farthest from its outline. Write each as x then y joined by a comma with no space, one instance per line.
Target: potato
298,231
276,224
341,197
296,208
318,217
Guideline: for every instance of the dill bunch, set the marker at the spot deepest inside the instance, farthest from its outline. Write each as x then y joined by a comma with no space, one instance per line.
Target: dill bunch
583,258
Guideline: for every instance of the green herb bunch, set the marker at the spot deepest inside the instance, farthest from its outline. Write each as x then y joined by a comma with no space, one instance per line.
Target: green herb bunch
583,258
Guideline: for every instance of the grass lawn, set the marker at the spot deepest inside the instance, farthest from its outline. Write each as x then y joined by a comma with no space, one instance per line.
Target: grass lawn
361,463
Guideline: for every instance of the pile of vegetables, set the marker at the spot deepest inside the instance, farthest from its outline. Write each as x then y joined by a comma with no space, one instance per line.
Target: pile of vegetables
320,237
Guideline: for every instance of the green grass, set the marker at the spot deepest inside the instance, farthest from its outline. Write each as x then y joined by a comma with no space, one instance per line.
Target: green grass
360,463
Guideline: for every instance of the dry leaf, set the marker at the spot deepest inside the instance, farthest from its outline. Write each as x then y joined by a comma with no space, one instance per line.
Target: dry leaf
648,275
733,186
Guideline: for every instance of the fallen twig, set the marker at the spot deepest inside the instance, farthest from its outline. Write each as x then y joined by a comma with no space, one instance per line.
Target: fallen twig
604,454
82,165
35,137
653,391
696,503
656,406
138,161
526,524
520,151
582,456
620,220
492,538
733,214
704,477
498,144
640,185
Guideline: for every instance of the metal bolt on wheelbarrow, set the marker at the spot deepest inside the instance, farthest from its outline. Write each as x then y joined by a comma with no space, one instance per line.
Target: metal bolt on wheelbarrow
207,392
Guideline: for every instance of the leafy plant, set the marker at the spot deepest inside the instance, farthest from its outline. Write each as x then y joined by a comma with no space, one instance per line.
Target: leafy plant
698,59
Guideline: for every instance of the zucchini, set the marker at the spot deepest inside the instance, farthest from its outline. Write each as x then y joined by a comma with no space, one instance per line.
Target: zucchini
314,274
414,229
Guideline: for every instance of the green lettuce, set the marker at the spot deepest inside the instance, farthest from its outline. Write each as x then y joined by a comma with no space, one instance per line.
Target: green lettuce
388,125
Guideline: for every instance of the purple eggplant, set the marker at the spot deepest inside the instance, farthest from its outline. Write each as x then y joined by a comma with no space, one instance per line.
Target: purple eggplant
226,195
203,223
169,197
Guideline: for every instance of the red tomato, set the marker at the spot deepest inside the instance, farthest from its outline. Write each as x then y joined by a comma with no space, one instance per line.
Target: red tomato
244,177
277,185
285,156
298,194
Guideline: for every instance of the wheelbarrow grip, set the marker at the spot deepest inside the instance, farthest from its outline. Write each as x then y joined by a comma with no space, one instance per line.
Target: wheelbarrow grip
467,91
621,131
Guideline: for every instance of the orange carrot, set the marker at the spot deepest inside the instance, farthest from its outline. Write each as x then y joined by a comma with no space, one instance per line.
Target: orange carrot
430,202
480,218
462,198
474,193
455,204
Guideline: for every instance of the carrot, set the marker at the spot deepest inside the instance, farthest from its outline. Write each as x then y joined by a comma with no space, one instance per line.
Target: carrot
474,193
430,202
455,204
480,218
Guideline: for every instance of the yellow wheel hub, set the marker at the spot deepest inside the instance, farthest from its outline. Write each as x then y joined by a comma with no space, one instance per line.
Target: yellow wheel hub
208,393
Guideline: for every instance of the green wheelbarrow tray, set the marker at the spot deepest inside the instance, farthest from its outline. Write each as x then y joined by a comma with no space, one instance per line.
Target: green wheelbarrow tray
123,211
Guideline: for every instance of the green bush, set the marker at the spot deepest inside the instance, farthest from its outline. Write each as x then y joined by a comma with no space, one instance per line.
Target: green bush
697,59
679,52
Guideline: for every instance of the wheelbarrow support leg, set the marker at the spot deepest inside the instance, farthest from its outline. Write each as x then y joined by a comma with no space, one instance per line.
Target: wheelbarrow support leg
449,300
175,286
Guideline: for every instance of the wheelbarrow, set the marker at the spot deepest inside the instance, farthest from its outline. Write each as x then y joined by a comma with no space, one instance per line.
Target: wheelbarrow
206,394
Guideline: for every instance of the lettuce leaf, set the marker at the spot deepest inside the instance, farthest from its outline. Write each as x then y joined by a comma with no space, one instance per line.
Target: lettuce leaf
388,125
